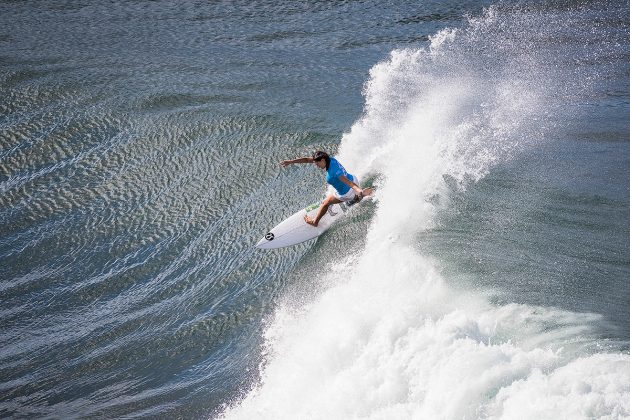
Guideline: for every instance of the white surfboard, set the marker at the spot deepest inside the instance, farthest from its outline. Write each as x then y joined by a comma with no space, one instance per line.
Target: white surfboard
295,230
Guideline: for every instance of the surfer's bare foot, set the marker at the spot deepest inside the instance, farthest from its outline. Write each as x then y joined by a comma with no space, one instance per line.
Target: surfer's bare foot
310,221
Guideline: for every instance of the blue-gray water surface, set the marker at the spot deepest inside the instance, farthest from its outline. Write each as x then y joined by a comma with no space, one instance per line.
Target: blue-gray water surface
139,150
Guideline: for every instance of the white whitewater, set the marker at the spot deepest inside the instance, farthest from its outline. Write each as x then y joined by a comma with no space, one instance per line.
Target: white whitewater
391,339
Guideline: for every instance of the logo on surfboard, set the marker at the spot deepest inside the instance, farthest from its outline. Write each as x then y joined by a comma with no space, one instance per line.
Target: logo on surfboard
269,236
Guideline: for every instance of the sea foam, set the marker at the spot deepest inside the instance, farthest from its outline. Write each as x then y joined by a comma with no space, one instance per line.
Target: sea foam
391,339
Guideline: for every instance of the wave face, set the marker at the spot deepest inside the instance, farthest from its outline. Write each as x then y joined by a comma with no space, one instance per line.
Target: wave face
392,336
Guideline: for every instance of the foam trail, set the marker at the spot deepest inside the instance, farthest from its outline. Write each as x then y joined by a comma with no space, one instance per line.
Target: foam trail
392,340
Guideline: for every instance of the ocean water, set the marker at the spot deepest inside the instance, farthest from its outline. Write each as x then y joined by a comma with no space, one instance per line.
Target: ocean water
139,150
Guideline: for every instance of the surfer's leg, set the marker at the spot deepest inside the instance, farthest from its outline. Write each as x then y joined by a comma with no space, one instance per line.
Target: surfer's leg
323,208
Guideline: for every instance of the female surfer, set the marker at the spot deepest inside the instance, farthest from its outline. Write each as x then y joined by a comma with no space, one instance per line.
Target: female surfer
344,184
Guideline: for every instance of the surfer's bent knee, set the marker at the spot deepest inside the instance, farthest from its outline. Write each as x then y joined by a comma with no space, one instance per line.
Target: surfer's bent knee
329,200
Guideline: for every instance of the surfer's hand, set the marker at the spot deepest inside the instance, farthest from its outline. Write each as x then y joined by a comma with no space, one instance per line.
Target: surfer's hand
285,163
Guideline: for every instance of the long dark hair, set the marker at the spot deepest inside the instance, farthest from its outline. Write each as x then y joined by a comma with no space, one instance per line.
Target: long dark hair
319,155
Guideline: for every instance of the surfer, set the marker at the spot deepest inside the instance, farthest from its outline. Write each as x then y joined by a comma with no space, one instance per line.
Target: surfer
344,184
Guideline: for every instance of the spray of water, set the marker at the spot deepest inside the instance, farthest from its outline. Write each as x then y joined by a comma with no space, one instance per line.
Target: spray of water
392,340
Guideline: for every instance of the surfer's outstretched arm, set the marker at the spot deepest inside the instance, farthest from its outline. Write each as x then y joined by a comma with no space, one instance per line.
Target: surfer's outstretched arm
298,160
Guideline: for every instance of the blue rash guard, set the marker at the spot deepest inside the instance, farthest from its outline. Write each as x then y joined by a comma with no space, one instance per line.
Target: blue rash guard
333,172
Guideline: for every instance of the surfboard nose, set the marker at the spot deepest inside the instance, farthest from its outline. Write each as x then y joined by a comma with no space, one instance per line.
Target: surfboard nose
265,241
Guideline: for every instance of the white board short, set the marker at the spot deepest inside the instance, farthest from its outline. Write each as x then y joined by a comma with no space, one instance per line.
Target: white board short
347,196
